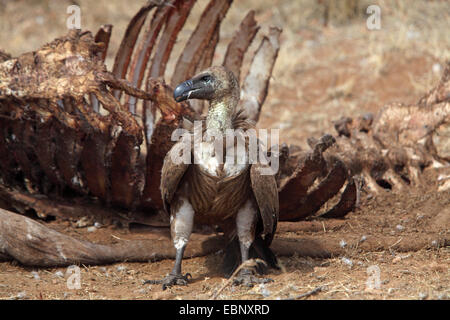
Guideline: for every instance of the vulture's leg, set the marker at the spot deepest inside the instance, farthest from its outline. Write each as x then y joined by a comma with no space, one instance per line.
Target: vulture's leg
245,226
181,223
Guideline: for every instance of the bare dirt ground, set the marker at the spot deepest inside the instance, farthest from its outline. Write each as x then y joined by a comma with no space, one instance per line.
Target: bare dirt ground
322,73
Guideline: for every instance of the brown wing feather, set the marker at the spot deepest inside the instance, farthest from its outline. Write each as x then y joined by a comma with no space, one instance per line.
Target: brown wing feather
266,194
171,175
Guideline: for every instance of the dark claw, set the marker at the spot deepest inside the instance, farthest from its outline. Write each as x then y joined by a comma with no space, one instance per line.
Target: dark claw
171,280
248,279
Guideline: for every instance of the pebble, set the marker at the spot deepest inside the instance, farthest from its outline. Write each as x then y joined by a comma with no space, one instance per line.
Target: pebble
442,296
35,275
83,222
423,296
391,290
263,290
399,227
437,68
347,261
121,268
342,243
91,229
142,291
396,259
40,20
59,274
412,34
363,238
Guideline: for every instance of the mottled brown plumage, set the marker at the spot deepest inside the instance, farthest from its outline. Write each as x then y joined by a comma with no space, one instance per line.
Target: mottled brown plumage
236,197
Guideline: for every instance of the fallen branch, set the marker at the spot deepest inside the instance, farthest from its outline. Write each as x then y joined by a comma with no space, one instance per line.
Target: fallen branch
33,244
309,293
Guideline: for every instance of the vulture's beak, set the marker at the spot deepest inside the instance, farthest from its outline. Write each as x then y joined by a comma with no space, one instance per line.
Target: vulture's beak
196,88
182,91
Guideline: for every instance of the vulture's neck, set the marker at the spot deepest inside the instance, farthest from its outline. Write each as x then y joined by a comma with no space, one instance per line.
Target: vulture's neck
221,112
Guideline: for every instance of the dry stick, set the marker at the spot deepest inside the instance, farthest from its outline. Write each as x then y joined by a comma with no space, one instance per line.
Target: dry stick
249,263
309,293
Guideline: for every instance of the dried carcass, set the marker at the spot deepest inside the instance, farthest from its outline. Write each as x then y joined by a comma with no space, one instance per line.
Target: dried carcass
72,130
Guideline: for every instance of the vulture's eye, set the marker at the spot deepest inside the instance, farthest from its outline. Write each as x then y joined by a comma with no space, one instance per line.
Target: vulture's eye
206,78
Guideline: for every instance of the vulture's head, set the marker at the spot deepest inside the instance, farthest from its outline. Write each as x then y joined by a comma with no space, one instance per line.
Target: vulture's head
212,84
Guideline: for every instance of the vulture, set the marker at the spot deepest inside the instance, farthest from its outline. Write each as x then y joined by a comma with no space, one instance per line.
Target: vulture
228,193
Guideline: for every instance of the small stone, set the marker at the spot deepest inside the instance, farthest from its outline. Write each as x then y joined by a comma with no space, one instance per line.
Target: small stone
59,274
40,20
121,268
347,261
412,34
363,238
21,295
423,296
83,222
263,290
92,229
342,243
399,227
442,296
143,291
437,68
98,225
35,275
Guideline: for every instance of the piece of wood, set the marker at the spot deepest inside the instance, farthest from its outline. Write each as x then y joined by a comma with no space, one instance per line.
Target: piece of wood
34,244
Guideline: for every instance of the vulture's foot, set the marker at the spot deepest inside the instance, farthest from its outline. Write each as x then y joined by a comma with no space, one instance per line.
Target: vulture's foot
247,278
171,280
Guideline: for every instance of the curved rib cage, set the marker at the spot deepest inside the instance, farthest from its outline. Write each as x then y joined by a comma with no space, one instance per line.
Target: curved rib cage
71,129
